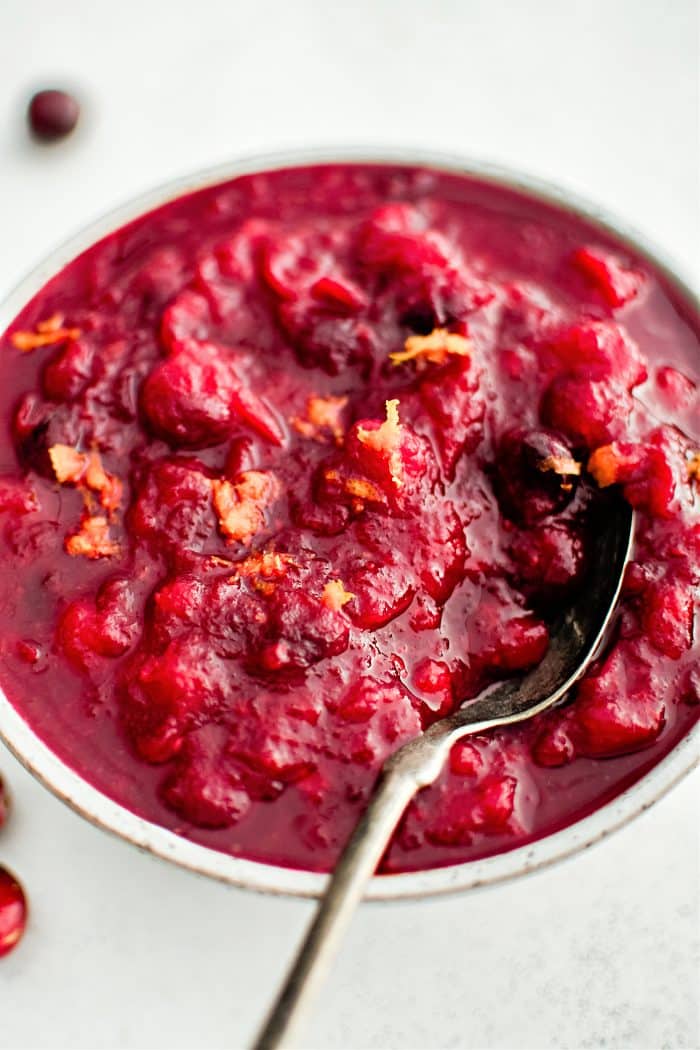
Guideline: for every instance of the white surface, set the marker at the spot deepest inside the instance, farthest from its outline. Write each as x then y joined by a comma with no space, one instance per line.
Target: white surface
601,96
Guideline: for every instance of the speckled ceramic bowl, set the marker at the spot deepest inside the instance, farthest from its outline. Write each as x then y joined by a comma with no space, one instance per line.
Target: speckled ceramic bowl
104,813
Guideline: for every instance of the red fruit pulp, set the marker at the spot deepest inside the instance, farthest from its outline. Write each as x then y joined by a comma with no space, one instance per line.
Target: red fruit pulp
296,463
13,912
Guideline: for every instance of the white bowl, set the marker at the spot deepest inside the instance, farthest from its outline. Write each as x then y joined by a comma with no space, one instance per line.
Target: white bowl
85,799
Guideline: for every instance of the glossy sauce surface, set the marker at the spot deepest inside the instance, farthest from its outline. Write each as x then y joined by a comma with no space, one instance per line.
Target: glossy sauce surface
295,464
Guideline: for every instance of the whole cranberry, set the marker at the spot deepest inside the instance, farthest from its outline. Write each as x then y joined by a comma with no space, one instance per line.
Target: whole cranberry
52,114
535,474
4,803
13,912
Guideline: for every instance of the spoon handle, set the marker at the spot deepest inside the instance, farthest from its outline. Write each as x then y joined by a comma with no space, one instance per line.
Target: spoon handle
415,765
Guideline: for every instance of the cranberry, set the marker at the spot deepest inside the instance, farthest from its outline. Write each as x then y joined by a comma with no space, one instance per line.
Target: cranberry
188,399
52,114
503,638
465,759
454,404
382,592
549,559
599,350
619,709
300,631
293,264
13,912
667,615
204,788
187,317
645,471
431,283
487,807
329,339
589,411
173,505
496,802
17,497
105,627
554,746
381,717
536,474
433,681
68,374
168,694
616,282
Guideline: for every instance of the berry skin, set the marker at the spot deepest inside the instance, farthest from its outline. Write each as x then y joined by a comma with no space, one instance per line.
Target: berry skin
52,115
536,474
13,912
465,759
618,710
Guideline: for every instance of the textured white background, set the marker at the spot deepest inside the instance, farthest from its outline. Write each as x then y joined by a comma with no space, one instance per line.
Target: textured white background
601,96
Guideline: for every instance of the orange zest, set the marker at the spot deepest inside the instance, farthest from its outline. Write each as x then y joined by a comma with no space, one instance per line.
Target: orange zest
240,505
323,417
47,333
92,540
270,564
386,439
334,596
263,568
107,486
604,466
68,464
564,466
218,562
362,489
85,469
434,348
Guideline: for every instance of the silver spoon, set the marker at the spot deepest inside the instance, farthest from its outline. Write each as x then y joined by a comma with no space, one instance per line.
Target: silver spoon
574,642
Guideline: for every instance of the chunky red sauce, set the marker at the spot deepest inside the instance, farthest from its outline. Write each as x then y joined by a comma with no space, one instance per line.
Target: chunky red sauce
295,464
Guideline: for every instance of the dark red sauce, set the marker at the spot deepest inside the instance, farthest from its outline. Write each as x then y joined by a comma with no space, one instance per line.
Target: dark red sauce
295,464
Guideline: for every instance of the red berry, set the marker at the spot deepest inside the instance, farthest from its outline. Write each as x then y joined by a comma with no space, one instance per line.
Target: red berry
589,411
465,759
599,350
548,560
13,912
554,746
616,282
535,474
52,114
618,709
667,615
187,317
433,681
69,372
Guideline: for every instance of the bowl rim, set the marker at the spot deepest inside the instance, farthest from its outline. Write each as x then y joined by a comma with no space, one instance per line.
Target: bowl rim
100,810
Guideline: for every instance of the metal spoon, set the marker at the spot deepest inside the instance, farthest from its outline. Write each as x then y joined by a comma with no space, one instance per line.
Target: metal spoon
575,640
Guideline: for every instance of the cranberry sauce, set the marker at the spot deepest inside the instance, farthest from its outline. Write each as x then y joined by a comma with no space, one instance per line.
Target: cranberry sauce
295,464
